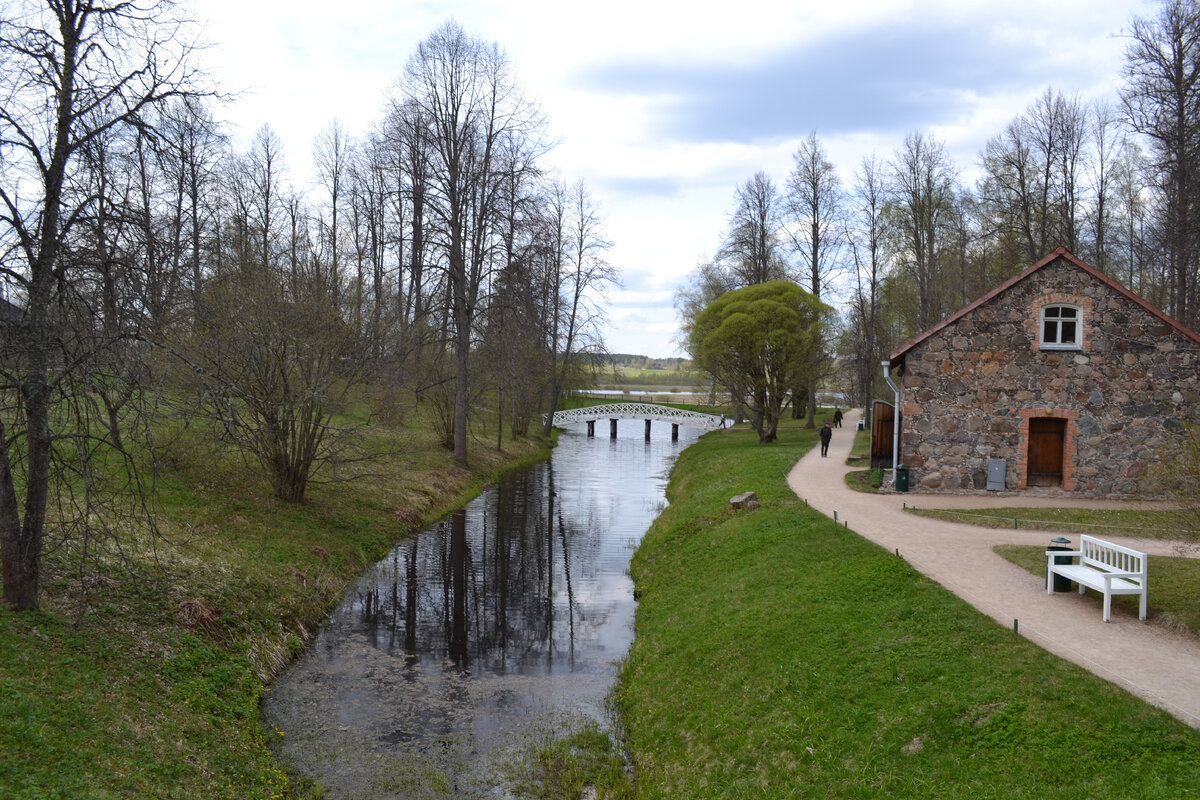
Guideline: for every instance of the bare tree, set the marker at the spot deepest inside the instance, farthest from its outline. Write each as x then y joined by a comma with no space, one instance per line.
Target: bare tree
1105,136
1131,220
924,186
74,71
332,154
867,239
264,171
751,249
581,280
1162,102
1032,191
813,206
277,361
464,91
192,148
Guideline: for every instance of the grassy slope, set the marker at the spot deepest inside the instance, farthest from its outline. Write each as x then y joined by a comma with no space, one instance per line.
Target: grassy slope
777,656
139,698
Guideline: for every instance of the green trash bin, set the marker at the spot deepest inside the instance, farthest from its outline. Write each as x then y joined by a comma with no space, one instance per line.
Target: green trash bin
901,478
860,425
1061,583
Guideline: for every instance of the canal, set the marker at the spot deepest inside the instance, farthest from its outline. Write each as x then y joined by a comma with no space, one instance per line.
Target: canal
497,628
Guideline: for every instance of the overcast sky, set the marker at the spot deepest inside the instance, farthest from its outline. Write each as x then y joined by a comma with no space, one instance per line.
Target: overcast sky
665,108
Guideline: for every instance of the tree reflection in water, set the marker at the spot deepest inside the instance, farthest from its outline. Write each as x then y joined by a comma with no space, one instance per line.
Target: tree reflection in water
502,621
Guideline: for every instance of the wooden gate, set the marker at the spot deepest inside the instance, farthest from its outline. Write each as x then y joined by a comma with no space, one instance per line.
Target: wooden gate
1046,438
883,416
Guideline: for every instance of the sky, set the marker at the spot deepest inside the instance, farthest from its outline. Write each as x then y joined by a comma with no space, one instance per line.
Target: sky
664,108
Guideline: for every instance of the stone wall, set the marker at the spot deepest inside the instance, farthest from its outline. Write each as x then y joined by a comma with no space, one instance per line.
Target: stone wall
971,388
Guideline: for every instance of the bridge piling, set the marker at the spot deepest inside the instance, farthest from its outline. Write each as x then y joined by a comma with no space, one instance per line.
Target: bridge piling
674,431
612,428
647,430
591,423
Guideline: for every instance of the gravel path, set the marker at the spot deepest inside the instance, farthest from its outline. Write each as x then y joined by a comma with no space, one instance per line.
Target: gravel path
1156,664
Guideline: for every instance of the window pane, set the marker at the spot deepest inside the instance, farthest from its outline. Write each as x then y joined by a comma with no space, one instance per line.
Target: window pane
1053,312
1068,332
1050,332
1067,313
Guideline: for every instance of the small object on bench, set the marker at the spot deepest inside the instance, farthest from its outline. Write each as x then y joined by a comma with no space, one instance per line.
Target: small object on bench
1103,566
747,500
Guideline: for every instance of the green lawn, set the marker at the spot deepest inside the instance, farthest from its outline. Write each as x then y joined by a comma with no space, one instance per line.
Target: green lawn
1102,522
778,656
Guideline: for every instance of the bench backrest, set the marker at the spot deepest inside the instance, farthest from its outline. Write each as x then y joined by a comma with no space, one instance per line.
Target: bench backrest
1110,557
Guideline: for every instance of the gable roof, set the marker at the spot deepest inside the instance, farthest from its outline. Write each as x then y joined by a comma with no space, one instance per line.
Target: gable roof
898,355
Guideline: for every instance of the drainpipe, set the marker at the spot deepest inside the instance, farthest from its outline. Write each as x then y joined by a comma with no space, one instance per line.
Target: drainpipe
887,376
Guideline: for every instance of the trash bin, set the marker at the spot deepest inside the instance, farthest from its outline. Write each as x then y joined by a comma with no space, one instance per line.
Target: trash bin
901,478
1061,583
860,425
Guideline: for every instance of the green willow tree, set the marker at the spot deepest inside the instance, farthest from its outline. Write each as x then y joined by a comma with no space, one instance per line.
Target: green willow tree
760,341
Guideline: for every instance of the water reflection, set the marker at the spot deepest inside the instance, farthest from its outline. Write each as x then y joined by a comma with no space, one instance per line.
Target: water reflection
499,623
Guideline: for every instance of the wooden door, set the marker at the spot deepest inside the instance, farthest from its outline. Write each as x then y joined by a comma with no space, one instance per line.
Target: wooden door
1046,438
882,419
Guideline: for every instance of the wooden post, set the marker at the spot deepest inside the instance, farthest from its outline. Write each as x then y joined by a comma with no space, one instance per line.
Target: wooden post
591,428
674,431
647,430
612,429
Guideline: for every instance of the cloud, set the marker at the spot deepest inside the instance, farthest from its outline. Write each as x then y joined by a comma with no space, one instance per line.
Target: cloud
894,78
664,110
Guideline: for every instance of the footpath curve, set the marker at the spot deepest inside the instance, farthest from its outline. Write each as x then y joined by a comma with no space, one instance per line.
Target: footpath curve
1160,666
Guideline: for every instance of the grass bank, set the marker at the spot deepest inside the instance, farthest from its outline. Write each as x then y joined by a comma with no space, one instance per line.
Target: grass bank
143,678
777,656
1103,522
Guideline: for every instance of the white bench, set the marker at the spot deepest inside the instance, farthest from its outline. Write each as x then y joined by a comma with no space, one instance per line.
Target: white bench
1106,567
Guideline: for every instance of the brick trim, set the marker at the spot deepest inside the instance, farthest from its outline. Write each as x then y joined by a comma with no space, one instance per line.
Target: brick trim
1033,323
1070,453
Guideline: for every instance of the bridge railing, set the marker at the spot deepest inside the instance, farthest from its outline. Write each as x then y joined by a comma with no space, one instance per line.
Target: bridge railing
636,411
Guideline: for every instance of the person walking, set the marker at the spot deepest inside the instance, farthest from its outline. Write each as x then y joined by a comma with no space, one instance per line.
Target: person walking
826,435
837,418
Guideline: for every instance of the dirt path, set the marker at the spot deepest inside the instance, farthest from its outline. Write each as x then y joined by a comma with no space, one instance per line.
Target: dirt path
1160,666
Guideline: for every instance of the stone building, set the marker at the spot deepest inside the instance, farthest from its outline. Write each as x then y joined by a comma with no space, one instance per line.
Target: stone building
1061,373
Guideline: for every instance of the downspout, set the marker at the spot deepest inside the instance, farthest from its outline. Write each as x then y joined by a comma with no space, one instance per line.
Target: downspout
887,376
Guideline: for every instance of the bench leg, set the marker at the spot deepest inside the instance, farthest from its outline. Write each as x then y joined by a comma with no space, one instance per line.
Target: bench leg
1142,607
1081,588
1107,606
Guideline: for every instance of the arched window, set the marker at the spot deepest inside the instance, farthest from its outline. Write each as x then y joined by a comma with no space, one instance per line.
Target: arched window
1062,328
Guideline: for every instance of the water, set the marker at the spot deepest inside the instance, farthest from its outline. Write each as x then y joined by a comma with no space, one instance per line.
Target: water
491,631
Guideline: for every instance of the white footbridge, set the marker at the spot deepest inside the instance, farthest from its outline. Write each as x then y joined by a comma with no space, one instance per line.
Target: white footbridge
647,411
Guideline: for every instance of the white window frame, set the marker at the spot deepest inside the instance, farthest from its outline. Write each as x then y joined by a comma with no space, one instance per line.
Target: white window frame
1057,343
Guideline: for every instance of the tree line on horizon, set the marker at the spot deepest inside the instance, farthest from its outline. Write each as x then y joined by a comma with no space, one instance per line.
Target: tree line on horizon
1117,184
150,271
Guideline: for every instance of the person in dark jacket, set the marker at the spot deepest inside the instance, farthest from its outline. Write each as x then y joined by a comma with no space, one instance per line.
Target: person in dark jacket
826,435
837,418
